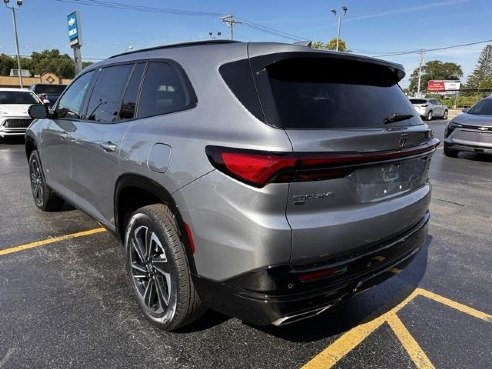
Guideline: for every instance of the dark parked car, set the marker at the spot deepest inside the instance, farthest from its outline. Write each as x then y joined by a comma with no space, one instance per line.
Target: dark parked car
267,181
470,131
47,93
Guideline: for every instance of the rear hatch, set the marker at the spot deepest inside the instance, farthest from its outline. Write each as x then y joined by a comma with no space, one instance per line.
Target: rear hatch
362,152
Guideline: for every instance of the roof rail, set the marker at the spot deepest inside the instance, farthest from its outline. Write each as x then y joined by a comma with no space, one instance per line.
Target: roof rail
183,44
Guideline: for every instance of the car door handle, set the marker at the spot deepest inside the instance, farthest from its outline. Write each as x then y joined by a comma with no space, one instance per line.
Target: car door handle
108,146
64,135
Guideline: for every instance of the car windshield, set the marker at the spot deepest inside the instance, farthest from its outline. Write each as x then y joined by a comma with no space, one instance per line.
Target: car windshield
483,107
418,101
17,97
49,89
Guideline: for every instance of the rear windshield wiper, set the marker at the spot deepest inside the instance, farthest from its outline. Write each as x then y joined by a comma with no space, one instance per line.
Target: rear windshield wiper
396,118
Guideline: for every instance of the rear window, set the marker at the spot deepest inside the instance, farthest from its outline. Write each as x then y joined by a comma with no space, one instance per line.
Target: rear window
319,93
49,89
17,97
418,101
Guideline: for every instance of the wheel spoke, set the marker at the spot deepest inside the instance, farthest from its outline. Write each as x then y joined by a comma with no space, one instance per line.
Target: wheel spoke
161,267
138,243
163,294
149,292
138,271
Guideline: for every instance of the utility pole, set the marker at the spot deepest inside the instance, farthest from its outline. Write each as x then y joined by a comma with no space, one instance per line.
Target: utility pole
229,19
420,70
19,70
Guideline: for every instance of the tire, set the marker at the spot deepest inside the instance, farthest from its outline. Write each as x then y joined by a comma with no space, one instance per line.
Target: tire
450,152
445,115
44,197
429,116
158,269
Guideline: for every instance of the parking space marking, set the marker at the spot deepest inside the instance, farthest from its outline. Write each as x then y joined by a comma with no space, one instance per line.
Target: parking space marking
351,339
48,241
408,342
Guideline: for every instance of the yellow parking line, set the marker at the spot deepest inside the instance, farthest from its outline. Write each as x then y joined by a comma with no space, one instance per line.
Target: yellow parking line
411,346
342,346
348,341
351,339
455,305
48,241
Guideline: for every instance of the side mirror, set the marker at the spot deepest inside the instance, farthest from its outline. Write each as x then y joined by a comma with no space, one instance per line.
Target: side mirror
38,111
465,110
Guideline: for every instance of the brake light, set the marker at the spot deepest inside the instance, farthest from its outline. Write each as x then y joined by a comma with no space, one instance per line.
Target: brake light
258,168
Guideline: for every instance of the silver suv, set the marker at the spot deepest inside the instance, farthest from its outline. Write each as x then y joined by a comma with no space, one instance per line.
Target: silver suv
430,108
266,181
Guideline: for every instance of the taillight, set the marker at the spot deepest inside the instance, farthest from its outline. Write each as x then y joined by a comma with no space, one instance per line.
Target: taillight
424,106
258,168
252,167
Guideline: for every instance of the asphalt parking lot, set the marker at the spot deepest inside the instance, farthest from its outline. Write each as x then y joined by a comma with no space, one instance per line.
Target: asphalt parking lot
65,302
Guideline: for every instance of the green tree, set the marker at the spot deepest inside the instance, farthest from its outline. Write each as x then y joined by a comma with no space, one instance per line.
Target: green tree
486,84
6,64
483,70
331,45
434,69
51,61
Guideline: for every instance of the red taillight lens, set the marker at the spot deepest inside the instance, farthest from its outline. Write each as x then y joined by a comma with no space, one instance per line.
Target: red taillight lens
255,168
258,168
320,274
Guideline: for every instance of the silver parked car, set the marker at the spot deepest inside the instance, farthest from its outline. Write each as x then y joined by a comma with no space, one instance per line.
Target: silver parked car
470,131
430,108
266,181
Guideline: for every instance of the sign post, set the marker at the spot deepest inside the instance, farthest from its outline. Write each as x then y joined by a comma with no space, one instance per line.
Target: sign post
75,37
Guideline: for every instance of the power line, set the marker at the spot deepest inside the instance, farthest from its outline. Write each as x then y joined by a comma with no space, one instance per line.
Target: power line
141,8
149,9
434,49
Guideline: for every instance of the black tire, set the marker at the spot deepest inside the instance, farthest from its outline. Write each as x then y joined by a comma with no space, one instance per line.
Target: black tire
158,269
429,116
450,152
44,197
445,115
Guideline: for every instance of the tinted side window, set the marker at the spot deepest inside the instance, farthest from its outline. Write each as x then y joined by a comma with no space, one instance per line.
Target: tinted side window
164,91
71,101
130,100
104,104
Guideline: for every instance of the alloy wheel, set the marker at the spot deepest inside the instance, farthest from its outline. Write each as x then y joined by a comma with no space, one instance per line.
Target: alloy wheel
150,270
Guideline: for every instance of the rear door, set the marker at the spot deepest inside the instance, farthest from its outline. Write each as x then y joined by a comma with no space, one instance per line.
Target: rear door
96,139
364,153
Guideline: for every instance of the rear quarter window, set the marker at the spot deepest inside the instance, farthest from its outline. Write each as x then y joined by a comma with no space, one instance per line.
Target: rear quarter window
165,90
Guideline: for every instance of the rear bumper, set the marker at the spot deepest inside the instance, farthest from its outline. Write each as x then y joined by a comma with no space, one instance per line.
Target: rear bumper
276,295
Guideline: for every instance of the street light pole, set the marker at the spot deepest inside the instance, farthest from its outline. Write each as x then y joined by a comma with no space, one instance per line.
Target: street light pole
339,26
19,70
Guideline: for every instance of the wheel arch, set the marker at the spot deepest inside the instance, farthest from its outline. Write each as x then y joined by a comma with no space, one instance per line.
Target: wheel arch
30,146
138,191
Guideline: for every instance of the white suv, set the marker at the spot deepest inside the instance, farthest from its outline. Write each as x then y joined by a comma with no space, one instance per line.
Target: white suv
430,108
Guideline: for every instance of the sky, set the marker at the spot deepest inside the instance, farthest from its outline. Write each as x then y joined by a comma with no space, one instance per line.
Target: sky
378,28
